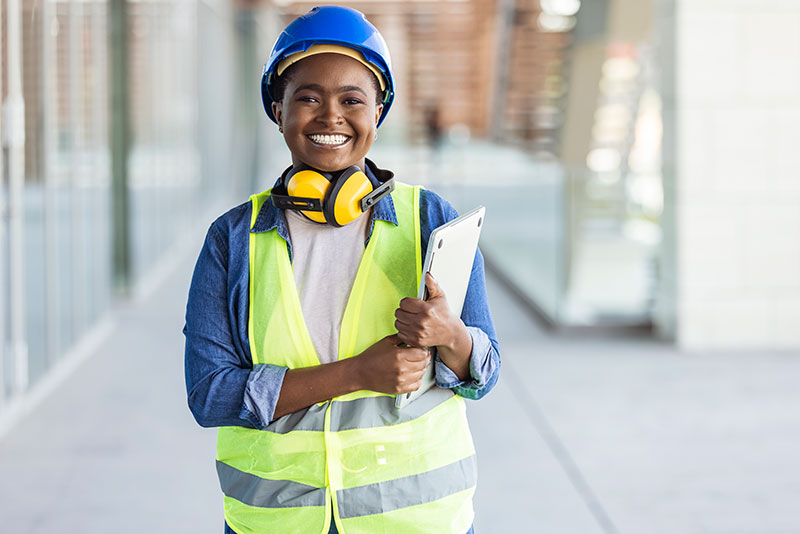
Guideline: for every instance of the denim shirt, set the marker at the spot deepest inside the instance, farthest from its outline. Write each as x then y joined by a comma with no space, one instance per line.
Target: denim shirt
224,387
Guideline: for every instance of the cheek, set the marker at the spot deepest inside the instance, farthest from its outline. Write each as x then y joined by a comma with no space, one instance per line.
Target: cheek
294,111
369,120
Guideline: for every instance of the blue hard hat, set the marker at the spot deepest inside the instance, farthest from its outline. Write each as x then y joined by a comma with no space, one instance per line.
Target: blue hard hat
333,25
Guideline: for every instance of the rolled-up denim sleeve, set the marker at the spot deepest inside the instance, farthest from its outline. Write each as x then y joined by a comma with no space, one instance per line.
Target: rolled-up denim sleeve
223,386
484,364
261,393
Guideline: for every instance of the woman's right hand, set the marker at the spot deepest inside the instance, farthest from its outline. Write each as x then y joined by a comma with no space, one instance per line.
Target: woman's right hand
385,367
389,366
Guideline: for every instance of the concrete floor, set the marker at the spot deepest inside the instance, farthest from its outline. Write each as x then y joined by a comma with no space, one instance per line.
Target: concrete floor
581,435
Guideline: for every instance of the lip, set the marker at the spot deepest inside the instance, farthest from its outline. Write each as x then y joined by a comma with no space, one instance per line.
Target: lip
347,137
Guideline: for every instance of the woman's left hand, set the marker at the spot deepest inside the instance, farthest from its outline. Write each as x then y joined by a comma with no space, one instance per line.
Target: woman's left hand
427,323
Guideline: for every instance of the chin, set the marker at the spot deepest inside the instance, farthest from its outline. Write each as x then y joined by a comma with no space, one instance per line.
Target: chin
331,166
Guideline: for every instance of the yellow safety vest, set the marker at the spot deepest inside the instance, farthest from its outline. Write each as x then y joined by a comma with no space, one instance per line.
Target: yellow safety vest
376,469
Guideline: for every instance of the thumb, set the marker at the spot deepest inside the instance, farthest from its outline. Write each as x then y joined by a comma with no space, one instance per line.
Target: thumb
433,287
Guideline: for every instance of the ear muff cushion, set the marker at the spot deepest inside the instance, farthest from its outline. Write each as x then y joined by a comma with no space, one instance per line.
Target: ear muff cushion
311,184
343,203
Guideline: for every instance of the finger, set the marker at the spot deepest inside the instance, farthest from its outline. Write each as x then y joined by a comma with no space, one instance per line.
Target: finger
416,369
433,287
415,373
410,386
406,317
411,305
405,328
422,366
404,332
410,335
415,354
404,339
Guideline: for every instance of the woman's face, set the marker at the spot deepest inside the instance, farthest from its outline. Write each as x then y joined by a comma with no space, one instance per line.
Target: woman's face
329,112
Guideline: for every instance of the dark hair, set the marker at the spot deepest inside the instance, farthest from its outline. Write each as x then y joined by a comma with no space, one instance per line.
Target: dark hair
278,88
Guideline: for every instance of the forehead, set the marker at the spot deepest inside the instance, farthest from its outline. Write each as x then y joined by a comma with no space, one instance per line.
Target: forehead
332,70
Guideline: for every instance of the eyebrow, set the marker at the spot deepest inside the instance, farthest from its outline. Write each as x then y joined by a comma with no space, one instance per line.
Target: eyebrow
342,89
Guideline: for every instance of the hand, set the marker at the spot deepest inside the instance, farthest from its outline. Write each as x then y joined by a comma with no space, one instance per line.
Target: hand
427,323
389,367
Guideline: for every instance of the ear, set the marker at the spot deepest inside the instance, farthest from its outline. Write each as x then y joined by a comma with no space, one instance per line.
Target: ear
378,111
277,112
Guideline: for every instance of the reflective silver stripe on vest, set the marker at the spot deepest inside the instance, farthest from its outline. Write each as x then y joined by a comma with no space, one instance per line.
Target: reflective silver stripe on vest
407,491
264,493
367,412
372,412
311,418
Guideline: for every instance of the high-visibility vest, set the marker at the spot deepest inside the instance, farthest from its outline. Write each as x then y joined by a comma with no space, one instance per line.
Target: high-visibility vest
375,469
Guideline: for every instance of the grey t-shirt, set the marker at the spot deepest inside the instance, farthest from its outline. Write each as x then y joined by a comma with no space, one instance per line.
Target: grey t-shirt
325,261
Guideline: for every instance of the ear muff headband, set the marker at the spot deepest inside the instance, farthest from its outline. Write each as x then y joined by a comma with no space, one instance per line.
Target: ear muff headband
336,199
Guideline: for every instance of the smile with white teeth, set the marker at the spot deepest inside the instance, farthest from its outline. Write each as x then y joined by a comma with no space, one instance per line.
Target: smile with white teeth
326,139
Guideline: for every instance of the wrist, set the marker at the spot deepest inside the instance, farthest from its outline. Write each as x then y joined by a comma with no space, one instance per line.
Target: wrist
353,374
459,335
457,354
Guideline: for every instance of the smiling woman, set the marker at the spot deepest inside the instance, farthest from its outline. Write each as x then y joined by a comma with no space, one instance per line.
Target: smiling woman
302,325
328,113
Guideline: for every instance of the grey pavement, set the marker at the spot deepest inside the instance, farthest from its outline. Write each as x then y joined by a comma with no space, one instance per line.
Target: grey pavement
582,435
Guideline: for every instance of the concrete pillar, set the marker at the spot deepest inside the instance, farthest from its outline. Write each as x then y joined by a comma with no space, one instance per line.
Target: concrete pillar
119,142
14,141
601,23
731,269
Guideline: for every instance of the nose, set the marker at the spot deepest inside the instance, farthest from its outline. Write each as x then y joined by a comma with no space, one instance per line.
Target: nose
330,112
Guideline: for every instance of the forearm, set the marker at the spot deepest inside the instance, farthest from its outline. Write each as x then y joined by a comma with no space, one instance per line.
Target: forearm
456,354
309,385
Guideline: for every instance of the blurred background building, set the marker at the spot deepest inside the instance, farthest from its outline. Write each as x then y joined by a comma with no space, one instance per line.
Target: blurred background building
638,169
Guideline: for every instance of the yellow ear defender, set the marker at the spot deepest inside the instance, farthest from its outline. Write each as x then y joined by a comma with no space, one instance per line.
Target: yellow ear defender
337,198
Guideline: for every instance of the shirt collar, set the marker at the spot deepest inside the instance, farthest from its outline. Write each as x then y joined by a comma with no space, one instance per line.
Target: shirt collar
271,217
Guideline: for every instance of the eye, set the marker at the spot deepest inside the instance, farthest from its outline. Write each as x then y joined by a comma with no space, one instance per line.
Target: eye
307,98
352,101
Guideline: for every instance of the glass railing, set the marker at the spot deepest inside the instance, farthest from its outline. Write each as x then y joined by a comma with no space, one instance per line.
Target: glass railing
184,165
574,244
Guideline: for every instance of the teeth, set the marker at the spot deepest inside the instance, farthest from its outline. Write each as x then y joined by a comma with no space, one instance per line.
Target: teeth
328,139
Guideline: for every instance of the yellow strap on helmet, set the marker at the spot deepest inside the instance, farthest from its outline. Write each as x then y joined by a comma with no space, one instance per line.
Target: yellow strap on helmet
330,49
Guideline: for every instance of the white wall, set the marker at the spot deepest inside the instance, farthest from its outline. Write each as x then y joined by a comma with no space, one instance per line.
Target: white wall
732,173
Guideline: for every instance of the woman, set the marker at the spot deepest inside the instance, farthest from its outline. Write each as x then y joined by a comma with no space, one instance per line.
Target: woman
301,326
